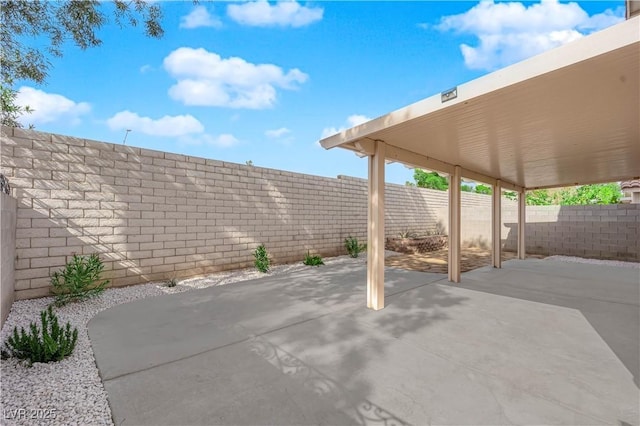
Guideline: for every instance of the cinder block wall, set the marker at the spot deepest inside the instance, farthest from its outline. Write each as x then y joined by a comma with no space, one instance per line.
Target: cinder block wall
406,208
8,208
603,232
153,215
422,210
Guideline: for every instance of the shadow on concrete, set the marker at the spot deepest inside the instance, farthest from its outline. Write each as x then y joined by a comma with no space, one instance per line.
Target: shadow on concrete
361,412
218,342
302,348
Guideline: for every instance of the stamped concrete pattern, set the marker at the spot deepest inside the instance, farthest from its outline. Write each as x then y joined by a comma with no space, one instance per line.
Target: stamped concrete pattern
303,349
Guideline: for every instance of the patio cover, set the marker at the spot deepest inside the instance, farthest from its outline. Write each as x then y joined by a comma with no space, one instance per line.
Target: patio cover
565,117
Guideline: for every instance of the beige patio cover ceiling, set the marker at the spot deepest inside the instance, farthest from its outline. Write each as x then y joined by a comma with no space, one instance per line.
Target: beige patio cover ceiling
568,116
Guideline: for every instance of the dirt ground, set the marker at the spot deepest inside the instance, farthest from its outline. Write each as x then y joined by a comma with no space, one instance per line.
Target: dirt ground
436,261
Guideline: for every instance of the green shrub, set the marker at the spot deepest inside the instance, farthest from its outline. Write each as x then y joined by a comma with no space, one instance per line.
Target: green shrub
79,280
314,260
353,247
48,344
262,261
407,234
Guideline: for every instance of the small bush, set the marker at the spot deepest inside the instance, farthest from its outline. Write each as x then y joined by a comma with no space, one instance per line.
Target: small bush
48,344
353,247
262,261
79,280
312,260
172,282
408,234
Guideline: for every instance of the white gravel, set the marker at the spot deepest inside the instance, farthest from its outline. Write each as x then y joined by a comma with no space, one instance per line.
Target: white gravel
70,392
619,263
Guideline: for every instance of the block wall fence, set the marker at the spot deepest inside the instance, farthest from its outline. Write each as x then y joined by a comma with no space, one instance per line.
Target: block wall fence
8,211
154,215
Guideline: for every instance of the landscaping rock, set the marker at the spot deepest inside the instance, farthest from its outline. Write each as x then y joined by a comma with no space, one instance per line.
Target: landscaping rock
417,245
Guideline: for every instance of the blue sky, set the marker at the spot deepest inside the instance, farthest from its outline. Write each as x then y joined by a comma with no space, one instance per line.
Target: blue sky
238,81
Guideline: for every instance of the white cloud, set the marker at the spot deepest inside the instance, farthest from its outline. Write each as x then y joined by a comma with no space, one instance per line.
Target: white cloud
206,79
49,107
284,14
186,128
282,135
200,17
146,68
167,126
603,20
352,121
225,140
510,32
357,119
277,133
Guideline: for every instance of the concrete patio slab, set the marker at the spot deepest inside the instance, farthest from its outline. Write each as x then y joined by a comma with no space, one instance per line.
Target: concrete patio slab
302,349
162,329
607,296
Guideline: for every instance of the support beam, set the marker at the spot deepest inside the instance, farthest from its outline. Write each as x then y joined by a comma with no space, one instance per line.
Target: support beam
454,224
611,178
411,158
496,225
375,248
522,223
510,186
365,146
479,177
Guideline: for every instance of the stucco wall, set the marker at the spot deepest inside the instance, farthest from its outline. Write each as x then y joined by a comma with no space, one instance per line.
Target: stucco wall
8,207
154,215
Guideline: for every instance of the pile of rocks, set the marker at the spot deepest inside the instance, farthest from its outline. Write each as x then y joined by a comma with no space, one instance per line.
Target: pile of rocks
417,245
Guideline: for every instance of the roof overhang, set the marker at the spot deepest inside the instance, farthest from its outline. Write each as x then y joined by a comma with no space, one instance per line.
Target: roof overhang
567,116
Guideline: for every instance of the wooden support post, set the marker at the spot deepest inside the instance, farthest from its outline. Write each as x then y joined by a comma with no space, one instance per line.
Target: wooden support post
522,223
375,247
496,225
454,225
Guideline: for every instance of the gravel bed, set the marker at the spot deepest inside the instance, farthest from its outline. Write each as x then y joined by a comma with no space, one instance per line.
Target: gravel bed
70,392
619,263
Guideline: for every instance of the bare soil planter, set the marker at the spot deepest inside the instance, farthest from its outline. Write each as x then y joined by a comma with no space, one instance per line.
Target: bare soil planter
417,245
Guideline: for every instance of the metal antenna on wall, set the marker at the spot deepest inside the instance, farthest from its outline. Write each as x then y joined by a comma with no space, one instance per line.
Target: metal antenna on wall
124,141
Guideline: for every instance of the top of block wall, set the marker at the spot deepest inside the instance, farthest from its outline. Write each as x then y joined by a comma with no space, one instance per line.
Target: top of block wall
34,135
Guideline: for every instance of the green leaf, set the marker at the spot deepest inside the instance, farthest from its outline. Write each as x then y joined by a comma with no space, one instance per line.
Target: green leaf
78,280
430,180
46,344
261,256
53,24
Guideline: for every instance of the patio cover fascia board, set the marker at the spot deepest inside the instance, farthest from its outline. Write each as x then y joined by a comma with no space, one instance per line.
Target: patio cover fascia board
623,38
